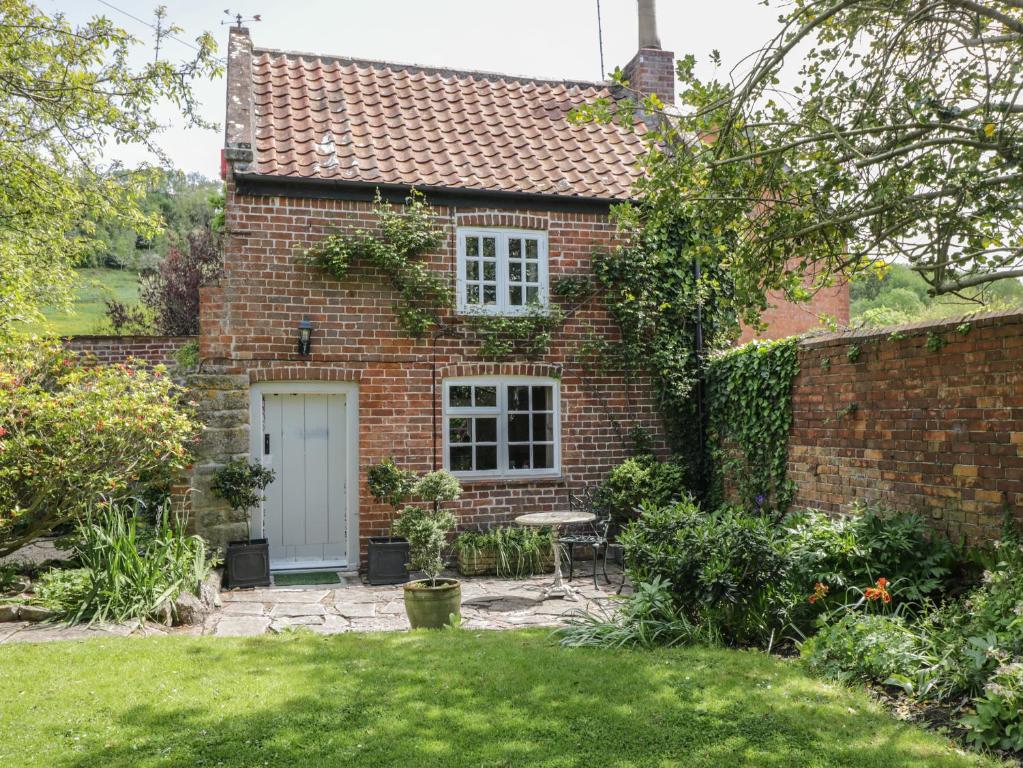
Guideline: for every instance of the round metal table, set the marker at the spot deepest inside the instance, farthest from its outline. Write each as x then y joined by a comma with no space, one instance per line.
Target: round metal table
554,520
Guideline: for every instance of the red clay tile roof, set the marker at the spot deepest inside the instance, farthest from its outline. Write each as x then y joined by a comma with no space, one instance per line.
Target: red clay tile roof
325,118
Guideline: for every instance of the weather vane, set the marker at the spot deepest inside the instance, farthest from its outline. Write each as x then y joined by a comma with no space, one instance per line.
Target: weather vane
238,18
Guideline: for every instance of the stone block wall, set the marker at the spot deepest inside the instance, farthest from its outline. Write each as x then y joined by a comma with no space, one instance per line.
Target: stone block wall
222,404
925,418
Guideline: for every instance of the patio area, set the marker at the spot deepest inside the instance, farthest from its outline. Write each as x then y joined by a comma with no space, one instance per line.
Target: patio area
352,606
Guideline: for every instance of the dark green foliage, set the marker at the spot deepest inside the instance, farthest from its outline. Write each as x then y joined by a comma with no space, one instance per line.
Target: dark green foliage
651,289
572,288
852,552
390,484
966,647
746,579
725,567
182,202
241,483
750,414
640,481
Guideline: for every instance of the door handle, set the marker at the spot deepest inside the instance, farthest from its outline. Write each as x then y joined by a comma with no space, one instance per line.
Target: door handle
266,444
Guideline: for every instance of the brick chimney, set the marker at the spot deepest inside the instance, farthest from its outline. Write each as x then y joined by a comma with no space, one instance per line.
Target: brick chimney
238,125
651,69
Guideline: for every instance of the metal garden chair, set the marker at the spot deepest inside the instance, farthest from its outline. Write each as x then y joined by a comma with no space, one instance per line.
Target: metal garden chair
593,535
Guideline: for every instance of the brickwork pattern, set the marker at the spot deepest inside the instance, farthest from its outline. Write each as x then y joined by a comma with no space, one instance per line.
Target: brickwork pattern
937,432
653,71
249,326
154,350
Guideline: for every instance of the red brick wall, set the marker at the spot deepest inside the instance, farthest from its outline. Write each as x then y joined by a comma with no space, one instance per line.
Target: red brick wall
938,432
249,325
785,319
155,350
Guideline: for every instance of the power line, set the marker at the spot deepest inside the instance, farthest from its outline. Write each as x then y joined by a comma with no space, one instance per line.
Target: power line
153,27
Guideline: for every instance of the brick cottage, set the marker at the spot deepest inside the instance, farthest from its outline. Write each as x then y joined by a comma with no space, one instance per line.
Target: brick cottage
523,197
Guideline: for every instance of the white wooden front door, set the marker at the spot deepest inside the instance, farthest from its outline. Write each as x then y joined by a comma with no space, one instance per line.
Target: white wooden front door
305,514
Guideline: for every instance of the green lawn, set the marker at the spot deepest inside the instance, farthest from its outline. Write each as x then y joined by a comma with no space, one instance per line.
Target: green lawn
440,699
88,312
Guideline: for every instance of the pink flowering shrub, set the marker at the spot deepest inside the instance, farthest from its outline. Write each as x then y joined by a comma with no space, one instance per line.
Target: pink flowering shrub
73,436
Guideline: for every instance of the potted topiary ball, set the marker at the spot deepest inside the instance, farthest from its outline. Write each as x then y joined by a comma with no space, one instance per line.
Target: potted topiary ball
389,555
241,484
432,602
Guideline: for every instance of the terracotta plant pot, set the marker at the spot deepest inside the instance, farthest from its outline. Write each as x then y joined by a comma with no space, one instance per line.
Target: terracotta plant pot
433,607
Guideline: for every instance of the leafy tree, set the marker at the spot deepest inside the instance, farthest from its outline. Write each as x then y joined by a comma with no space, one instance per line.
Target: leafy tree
863,130
181,203
900,295
72,434
172,292
66,93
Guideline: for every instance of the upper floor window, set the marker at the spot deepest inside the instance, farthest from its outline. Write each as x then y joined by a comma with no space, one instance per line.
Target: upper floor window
501,271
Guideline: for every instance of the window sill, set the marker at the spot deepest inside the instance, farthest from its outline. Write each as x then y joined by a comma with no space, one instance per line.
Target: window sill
503,311
504,480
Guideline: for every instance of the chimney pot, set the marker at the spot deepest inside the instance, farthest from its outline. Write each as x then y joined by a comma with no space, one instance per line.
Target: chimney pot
648,24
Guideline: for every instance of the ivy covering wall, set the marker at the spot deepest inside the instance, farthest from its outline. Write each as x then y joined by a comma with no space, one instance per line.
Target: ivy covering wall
749,402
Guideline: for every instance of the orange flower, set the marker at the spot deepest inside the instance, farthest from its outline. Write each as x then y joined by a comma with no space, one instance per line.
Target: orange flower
879,591
819,591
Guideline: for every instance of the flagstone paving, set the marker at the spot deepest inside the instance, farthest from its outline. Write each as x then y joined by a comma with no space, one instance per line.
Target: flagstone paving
354,606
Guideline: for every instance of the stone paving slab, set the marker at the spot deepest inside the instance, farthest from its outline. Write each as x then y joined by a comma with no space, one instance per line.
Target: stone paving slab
241,626
487,603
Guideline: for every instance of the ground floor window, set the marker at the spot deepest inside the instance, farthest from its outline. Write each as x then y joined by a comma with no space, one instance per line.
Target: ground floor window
501,426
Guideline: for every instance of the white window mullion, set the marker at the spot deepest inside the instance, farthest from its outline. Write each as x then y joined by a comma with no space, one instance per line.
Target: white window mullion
502,272
502,428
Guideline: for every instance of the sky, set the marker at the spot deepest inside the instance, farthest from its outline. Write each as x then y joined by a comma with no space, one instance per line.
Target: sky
537,38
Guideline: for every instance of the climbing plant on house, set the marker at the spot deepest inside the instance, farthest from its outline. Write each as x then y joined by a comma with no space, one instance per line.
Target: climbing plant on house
398,248
663,285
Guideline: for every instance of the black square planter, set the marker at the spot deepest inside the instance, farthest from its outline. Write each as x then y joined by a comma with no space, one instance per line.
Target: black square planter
247,563
388,558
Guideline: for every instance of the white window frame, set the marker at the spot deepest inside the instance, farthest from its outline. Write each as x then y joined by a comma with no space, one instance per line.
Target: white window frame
501,412
503,305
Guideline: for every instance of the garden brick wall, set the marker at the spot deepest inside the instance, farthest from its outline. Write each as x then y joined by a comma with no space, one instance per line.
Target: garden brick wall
937,431
155,350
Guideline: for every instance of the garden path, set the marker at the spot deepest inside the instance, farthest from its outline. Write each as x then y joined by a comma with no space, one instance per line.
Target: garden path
352,606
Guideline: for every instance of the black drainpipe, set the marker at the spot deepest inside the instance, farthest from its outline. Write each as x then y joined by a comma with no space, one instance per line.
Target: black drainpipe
700,390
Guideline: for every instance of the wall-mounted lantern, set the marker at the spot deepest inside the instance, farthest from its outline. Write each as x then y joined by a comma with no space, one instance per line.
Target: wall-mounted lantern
305,336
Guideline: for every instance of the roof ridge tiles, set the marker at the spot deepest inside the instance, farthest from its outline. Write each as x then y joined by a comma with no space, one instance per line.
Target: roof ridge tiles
443,72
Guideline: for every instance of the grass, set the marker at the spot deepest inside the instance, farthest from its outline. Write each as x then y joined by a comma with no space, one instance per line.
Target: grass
88,312
451,698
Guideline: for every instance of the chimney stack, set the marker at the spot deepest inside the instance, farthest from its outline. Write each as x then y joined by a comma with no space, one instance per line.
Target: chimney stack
651,69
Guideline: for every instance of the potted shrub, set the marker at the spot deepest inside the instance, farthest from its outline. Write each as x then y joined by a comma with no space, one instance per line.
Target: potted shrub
389,555
431,602
241,484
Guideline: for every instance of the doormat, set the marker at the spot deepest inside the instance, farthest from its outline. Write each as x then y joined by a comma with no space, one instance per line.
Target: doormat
303,578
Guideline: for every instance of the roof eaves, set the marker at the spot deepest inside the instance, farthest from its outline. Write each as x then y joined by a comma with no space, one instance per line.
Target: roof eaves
343,189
